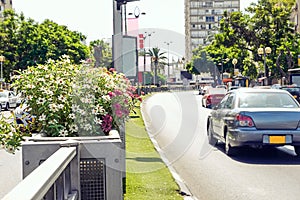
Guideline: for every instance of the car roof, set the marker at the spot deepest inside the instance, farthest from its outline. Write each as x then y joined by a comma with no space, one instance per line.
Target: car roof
257,90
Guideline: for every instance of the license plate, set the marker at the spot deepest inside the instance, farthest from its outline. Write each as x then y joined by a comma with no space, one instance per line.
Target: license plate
277,139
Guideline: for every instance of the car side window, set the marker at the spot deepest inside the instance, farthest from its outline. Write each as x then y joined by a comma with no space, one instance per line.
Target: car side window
229,102
223,102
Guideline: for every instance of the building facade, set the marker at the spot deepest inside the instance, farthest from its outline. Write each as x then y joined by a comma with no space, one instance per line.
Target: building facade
202,19
296,16
4,5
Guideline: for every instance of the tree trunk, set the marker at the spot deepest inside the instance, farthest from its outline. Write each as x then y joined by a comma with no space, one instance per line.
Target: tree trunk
155,72
283,74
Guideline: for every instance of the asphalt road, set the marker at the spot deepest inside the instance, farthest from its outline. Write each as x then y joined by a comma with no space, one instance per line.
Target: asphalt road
177,122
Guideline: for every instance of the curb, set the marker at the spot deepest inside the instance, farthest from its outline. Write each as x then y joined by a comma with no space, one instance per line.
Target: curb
184,191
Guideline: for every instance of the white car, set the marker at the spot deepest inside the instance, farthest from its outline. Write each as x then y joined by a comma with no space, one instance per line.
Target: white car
8,99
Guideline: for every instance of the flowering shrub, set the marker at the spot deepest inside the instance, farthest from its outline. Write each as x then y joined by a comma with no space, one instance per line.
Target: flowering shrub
10,135
75,100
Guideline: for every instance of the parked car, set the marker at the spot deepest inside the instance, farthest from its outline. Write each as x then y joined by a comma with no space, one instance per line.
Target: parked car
8,99
23,117
222,86
204,89
294,90
257,118
212,97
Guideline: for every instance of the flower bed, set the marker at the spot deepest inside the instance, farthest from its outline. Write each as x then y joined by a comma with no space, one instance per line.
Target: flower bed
72,100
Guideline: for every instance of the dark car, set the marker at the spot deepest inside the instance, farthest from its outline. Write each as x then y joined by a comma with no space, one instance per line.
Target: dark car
294,90
257,118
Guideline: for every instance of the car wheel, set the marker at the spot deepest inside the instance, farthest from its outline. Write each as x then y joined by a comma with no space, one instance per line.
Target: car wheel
7,106
229,150
297,150
211,140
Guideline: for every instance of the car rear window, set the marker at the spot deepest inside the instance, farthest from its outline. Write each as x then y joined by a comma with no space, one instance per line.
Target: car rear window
266,100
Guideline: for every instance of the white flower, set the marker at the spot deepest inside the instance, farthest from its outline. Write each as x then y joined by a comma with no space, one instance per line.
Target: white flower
60,106
73,128
41,101
97,120
62,98
106,98
87,127
60,82
41,80
54,121
72,116
75,108
53,107
63,133
42,117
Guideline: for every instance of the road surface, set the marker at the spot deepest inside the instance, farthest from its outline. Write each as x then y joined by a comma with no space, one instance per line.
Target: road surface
177,122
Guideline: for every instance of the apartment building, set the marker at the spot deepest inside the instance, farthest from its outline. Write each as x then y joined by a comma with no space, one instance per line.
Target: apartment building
5,4
202,19
295,17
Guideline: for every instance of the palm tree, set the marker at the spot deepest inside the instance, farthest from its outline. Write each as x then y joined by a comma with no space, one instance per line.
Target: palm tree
158,58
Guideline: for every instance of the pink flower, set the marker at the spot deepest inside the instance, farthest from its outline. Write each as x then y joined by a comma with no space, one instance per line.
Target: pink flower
111,94
119,113
106,123
118,92
117,106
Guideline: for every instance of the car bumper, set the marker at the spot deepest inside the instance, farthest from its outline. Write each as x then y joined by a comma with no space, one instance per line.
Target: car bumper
264,137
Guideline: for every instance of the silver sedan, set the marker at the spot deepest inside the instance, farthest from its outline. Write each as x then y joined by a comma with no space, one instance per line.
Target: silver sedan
257,118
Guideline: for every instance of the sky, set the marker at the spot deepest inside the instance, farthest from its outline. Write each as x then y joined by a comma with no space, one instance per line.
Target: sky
94,18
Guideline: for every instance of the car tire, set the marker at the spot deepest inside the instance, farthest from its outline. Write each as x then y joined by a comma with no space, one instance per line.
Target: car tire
229,150
297,150
7,106
211,139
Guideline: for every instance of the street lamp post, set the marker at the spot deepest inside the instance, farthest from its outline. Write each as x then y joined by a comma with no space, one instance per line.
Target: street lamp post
168,43
263,52
2,58
234,62
222,66
149,36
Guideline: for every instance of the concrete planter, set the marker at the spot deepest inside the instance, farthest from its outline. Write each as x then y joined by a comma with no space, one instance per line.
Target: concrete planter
97,171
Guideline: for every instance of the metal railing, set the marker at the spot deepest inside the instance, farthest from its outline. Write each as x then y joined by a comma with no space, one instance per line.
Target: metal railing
51,180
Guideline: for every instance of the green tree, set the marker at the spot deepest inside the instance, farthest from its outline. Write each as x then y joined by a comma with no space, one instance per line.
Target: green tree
25,43
158,59
102,53
266,23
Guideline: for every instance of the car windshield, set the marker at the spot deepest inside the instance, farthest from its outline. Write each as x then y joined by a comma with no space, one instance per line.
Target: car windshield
3,94
266,100
291,89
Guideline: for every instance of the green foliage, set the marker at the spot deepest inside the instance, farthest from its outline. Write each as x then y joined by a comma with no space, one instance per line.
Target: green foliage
265,24
102,53
69,99
25,43
158,59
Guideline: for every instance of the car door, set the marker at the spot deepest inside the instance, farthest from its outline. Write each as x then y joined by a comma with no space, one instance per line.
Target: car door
224,113
12,99
216,116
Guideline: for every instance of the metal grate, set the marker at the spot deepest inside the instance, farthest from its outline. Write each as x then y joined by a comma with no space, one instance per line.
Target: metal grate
92,179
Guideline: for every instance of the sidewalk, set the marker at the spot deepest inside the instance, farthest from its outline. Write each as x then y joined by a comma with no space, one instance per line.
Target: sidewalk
10,171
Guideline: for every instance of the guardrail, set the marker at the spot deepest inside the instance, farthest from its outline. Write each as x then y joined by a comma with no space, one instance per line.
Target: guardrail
52,179
164,88
72,168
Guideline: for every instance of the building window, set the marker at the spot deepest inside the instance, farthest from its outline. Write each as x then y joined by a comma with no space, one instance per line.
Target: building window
210,18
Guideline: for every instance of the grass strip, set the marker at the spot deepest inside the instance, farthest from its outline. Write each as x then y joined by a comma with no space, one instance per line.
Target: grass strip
147,177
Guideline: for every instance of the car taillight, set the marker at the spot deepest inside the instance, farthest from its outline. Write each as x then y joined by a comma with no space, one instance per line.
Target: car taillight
244,120
208,100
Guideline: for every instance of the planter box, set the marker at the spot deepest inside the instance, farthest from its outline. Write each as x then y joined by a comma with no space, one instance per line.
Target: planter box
97,171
